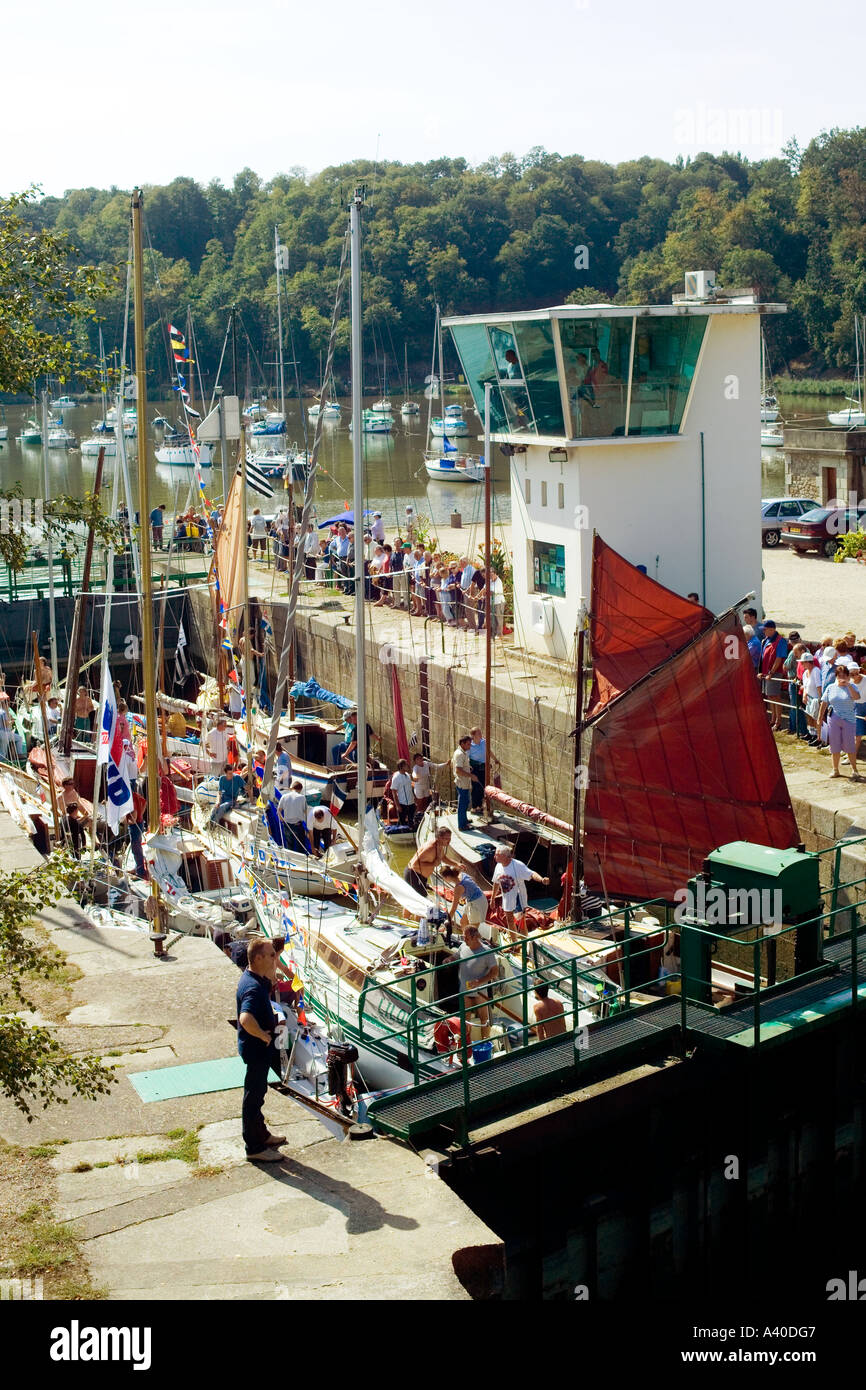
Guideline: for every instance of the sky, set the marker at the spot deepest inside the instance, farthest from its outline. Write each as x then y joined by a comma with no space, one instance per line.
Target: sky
125,94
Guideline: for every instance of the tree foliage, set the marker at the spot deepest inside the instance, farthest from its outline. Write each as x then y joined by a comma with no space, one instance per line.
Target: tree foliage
499,236
47,299
34,1068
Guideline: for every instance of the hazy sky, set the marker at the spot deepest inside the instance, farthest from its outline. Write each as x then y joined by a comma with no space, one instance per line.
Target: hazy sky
102,94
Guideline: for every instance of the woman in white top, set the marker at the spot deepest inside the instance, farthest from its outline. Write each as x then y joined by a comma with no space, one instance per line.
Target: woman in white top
811,686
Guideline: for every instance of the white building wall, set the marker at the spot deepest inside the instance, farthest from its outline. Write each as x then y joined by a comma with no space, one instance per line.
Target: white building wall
644,498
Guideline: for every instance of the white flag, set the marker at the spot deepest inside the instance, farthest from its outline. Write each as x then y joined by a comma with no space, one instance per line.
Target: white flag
118,794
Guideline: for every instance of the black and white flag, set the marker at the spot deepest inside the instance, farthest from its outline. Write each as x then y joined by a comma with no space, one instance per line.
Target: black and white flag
257,480
182,668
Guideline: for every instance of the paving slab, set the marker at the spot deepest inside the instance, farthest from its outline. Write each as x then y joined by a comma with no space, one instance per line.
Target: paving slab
100,1189
107,1150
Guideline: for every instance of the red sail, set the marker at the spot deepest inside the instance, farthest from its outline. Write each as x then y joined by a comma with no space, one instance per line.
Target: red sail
636,624
679,765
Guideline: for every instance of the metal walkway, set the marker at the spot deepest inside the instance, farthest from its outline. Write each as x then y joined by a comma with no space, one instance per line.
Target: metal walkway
526,1075
806,1006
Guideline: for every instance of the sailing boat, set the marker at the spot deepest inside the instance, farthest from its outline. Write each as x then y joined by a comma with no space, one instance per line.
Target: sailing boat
769,403
408,407
103,436
854,418
447,463
383,405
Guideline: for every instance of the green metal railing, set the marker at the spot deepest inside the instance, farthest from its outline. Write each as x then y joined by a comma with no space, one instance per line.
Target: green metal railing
823,923
550,972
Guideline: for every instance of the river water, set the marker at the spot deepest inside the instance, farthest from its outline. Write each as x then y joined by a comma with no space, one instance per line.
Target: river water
393,464
394,473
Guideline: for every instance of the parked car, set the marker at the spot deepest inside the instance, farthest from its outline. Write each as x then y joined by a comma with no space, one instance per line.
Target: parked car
822,528
776,512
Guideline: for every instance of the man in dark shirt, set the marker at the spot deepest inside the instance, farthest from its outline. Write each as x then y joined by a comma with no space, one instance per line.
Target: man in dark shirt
256,1024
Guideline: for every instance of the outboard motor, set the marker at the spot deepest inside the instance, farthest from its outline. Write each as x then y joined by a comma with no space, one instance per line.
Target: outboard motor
438,920
340,1058
241,908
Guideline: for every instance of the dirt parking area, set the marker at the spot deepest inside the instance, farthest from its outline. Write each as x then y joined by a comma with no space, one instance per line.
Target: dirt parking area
813,595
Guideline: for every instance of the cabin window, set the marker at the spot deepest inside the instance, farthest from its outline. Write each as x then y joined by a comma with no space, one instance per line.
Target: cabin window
596,355
476,359
665,356
505,355
538,358
544,494
527,491
548,568
560,495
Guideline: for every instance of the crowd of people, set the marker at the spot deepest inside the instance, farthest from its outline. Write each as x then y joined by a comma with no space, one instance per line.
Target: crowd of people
817,694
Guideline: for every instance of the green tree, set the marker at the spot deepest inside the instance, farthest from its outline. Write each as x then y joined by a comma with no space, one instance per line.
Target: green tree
35,1070
43,295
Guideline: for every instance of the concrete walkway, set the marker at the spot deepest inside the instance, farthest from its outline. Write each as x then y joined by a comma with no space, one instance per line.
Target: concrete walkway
333,1220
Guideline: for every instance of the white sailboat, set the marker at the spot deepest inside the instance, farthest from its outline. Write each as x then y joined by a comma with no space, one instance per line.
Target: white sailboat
447,463
854,417
769,403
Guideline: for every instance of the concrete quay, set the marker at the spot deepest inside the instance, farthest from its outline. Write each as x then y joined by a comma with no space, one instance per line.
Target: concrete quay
331,1221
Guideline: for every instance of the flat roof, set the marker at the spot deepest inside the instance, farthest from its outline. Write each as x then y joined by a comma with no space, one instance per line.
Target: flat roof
697,307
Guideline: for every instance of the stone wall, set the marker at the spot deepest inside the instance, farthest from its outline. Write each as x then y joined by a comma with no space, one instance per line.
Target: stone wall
529,737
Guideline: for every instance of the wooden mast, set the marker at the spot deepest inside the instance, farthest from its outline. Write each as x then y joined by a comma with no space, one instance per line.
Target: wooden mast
76,645
488,653
576,844
252,792
148,665
49,761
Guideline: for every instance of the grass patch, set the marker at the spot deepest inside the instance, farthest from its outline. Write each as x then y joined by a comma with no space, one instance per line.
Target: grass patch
43,1151
184,1147
103,1164
32,1241
208,1170
47,993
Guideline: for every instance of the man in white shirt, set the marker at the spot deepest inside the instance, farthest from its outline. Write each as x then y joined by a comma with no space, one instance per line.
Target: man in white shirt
258,530
311,550
479,967
462,771
53,714
404,794
497,598
509,879
377,530
323,830
218,742
236,700
37,733
292,811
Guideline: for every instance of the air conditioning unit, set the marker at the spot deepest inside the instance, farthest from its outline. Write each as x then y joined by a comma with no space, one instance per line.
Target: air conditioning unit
541,616
700,284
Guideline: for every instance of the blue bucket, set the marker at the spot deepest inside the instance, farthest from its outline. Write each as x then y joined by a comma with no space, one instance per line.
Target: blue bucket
482,1052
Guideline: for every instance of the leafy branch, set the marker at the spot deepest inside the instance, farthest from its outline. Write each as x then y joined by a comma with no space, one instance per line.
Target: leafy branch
34,1066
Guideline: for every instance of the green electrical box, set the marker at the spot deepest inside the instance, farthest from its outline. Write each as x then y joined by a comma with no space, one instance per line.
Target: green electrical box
752,890
792,873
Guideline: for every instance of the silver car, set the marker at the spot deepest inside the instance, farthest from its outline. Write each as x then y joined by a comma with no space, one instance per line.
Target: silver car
777,512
